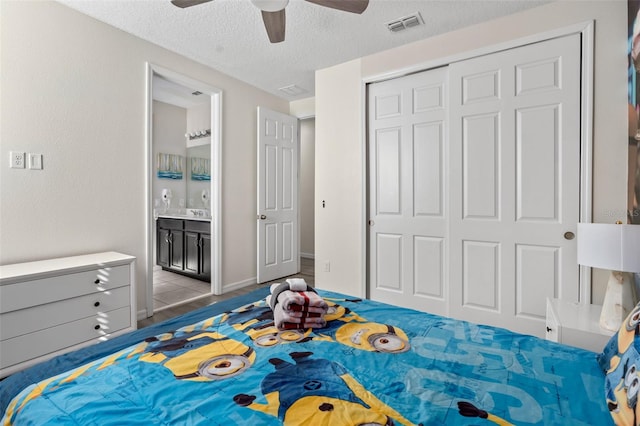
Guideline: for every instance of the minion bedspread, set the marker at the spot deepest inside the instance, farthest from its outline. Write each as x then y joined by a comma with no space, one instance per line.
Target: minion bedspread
373,364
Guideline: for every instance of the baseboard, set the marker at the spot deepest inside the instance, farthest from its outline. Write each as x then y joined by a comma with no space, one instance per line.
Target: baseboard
240,284
308,255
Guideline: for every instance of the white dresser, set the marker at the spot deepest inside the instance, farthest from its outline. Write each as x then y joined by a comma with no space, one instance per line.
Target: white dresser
53,306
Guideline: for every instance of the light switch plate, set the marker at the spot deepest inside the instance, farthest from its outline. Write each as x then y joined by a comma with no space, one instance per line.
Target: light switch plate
16,160
35,161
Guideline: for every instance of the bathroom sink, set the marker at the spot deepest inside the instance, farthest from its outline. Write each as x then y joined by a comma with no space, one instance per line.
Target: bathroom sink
198,213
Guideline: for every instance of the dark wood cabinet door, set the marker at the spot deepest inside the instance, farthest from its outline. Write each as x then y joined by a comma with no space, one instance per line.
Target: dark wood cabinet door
177,250
191,252
162,247
205,261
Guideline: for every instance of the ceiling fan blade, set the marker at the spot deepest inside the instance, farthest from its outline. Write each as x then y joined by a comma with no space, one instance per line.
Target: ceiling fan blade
274,22
188,3
353,6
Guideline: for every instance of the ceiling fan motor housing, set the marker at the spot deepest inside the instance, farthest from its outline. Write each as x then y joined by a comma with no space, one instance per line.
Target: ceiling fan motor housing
270,5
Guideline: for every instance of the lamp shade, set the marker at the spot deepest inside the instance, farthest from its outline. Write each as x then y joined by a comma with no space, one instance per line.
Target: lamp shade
609,246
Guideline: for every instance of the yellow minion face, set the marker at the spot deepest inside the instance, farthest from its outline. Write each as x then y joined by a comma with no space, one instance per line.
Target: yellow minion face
624,409
271,336
375,337
334,311
201,357
322,410
627,332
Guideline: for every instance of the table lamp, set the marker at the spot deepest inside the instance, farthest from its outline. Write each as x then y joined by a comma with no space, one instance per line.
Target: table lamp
615,247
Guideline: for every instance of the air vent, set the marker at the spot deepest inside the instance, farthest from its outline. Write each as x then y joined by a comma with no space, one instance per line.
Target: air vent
292,90
405,22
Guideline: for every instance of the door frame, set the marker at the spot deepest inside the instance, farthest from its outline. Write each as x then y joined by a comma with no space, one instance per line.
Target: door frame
216,174
586,30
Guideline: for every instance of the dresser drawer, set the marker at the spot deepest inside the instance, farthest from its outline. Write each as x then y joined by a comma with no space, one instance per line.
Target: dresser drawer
43,342
40,291
28,320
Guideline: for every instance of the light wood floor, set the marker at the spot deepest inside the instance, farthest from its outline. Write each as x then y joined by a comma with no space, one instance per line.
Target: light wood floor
306,272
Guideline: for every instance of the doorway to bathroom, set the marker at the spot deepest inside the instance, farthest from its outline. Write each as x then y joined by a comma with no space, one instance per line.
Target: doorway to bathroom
183,189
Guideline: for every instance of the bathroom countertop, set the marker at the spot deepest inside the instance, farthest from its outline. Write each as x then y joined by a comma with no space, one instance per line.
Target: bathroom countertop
183,216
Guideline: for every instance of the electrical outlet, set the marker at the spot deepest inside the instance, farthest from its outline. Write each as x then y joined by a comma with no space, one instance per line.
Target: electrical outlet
16,160
327,266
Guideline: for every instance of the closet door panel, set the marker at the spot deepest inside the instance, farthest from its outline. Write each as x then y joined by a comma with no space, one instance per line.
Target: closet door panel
407,191
515,183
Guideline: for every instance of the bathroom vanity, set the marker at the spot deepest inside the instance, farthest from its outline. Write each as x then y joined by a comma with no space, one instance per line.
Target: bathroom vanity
184,245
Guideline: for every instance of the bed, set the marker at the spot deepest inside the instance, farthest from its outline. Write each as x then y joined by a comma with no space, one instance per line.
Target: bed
373,364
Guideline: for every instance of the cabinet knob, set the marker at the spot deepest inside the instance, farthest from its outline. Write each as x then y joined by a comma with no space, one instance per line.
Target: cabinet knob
96,304
97,281
97,327
549,329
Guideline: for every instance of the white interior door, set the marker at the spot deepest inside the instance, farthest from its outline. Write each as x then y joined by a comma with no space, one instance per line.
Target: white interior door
407,199
277,215
515,183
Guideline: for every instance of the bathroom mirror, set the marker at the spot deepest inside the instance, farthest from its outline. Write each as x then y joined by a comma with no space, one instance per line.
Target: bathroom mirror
181,131
198,179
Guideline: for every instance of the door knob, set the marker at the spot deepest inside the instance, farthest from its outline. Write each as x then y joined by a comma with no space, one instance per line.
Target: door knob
569,235
263,216
371,222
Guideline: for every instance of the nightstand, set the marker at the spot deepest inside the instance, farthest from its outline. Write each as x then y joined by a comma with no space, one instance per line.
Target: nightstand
576,324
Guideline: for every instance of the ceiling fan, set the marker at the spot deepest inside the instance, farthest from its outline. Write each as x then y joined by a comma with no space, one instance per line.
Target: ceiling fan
273,14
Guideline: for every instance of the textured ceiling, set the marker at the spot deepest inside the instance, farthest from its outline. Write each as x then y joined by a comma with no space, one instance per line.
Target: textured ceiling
228,35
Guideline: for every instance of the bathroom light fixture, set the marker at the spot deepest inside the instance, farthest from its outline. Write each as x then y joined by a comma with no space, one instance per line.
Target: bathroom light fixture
198,134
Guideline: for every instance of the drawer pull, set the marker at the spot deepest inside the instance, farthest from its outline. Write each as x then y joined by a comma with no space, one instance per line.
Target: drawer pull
97,327
96,304
97,281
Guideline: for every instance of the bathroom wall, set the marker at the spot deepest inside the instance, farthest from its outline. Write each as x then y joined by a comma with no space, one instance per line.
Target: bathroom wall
169,127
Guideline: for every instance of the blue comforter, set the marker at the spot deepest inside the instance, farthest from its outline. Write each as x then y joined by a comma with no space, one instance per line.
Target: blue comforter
372,364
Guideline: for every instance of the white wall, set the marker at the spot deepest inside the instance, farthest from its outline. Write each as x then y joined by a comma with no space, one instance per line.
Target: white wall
169,126
307,186
340,169
73,89
303,108
339,179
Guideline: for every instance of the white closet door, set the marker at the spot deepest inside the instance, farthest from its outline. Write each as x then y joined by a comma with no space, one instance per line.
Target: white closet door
407,205
515,183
